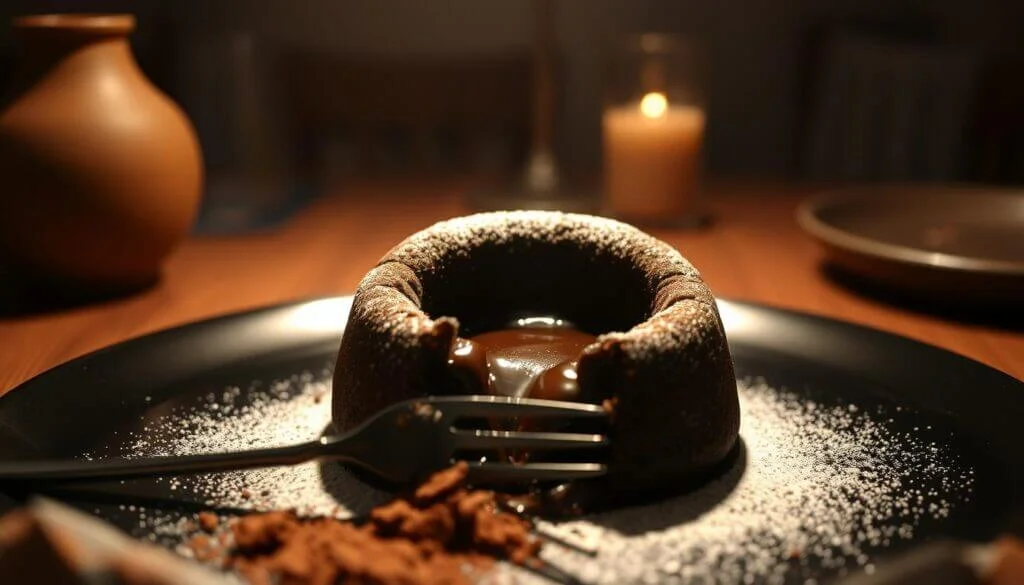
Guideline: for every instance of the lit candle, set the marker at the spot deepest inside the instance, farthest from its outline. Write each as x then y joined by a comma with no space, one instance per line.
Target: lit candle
651,157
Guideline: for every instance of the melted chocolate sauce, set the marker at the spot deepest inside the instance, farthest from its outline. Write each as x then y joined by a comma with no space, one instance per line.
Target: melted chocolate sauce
531,358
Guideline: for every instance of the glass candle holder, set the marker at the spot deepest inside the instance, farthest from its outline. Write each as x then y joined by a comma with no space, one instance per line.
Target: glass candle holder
653,129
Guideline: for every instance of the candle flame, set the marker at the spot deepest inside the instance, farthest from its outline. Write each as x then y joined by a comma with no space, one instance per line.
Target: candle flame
653,105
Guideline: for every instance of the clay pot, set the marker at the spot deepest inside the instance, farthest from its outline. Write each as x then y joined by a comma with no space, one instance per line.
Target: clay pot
100,173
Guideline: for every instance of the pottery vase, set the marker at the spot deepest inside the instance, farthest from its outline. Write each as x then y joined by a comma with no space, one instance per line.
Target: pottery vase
100,172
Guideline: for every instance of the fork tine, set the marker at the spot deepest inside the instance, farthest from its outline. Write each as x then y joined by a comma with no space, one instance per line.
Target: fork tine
534,471
506,406
493,439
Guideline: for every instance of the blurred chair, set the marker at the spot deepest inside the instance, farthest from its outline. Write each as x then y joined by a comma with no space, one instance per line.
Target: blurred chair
885,109
998,156
355,116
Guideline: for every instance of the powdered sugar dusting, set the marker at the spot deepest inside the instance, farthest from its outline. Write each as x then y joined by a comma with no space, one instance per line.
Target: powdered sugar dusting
283,413
822,486
817,486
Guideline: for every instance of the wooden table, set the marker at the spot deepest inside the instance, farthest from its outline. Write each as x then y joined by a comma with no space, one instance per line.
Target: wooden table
754,252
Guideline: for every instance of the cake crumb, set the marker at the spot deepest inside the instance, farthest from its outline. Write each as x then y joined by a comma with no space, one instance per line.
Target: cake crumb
442,483
444,533
319,395
609,405
208,521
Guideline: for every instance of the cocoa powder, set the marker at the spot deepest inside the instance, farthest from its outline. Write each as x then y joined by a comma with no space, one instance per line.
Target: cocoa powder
443,533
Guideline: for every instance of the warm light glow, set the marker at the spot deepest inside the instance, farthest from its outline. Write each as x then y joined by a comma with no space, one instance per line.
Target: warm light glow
654,105
321,315
540,322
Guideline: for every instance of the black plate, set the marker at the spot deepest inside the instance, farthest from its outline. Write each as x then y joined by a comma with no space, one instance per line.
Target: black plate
93,403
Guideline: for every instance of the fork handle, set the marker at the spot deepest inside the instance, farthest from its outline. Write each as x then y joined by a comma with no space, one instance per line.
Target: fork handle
63,470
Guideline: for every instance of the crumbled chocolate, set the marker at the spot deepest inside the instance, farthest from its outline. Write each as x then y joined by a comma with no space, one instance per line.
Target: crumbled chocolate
208,521
319,396
441,484
609,405
442,533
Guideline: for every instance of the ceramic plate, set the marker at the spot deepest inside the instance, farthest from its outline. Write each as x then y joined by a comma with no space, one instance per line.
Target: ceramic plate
938,241
855,443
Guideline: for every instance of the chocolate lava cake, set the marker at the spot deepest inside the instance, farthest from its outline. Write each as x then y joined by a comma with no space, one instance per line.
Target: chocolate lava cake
639,327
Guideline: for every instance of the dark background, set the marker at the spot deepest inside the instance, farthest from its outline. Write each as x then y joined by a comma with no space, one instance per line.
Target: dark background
406,86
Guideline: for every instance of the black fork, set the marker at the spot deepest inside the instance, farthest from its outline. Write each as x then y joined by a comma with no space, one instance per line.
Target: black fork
400,444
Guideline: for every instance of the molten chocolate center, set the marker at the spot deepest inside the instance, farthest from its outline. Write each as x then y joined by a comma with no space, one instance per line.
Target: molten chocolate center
534,358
